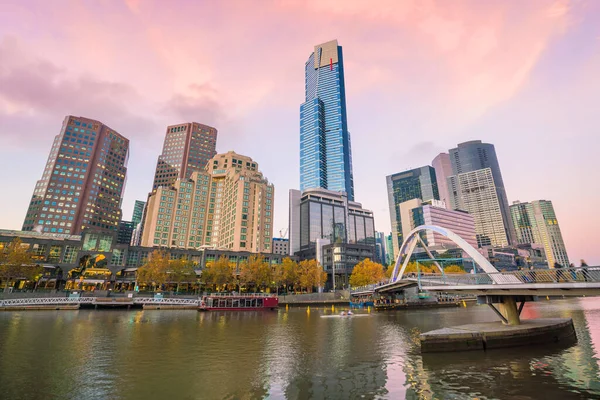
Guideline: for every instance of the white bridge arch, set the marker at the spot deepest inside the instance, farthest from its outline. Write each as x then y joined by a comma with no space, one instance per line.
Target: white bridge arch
413,238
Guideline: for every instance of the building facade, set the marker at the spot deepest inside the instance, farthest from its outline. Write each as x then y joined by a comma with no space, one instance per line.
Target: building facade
325,147
419,183
138,212
436,213
468,158
187,149
475,192
389,248
281,246
536,222
229,205
83,182
443,170
125,232
380,250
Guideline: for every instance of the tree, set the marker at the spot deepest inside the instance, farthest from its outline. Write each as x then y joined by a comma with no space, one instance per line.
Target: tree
454,269
255,271
366,272
16,262
219,273
155,270
285,273
181,270
310,274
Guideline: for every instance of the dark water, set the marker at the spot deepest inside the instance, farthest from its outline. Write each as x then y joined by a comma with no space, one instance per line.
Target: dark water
296,355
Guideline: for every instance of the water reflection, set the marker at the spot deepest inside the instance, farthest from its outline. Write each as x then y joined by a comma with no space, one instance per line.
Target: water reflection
294,355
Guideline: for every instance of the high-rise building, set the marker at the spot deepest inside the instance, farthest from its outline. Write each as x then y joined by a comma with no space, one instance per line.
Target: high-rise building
229,205
419,183
187,148
326,226
138,212
435,213
536,222
325,149
468,158
475,192
125,232
389,248
443,170
380,252
83,182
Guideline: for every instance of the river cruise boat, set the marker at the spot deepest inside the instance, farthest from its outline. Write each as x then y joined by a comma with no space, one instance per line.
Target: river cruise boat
238,302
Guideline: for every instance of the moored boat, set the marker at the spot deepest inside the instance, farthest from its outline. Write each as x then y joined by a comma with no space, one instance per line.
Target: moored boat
238,302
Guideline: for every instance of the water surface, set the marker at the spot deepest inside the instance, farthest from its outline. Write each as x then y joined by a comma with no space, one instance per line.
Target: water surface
294,355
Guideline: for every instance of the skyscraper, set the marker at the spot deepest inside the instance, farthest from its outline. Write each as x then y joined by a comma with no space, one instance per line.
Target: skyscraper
419,183
443,170
469,161
325,149
536,222
138,212
228,205
83,182
187,148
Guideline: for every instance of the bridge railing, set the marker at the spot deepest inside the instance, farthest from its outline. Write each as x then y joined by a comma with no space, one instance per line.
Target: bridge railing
555,275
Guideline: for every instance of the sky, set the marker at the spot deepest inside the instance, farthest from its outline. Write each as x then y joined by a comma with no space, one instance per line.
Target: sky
421,77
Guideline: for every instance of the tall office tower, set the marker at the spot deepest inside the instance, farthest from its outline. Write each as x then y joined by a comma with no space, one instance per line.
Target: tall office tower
83,182
389,248
419,183
443,170
138,212
469,158
228,205
187,149
325,150
536,222
380,251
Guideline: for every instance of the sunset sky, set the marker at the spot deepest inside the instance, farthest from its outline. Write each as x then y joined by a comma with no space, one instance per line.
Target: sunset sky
421,76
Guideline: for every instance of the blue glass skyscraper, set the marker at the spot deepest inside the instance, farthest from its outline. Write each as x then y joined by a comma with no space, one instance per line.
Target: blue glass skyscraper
325,151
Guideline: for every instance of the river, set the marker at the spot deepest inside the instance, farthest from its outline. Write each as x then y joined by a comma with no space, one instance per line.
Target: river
110,354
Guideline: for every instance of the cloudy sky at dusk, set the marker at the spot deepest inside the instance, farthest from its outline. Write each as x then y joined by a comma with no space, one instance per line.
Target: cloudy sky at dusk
421,76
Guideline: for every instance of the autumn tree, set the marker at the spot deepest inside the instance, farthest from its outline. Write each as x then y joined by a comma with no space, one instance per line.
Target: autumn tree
310,275
366,272
155,270
180,271
16,262
255,271
454,269
219,273
285,274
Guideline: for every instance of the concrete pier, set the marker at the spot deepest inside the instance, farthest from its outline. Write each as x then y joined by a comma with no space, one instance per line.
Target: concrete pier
495,335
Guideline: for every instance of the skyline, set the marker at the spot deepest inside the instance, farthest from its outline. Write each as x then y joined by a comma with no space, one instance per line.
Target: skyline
437,75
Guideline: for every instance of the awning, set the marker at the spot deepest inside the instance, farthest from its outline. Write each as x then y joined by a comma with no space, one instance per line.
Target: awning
94,281
48,266
130,269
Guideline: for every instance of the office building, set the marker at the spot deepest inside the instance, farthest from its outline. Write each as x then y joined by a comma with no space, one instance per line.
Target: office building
83,182
138,212
389,248
435,213
187,148
476,186
325,149
536,222
229,205
125,232
475,192
419,183
443,170
380,251
326,226
281,246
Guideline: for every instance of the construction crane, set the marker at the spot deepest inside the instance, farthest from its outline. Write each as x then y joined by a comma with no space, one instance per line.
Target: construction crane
283,234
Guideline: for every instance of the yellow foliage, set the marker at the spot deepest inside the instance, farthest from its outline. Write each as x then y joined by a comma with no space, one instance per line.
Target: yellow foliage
454,269
366,272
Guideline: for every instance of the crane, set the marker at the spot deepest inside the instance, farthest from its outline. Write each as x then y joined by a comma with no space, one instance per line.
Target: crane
282,233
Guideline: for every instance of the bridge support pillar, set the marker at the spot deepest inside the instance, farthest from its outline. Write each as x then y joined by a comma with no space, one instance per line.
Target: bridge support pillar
508,308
